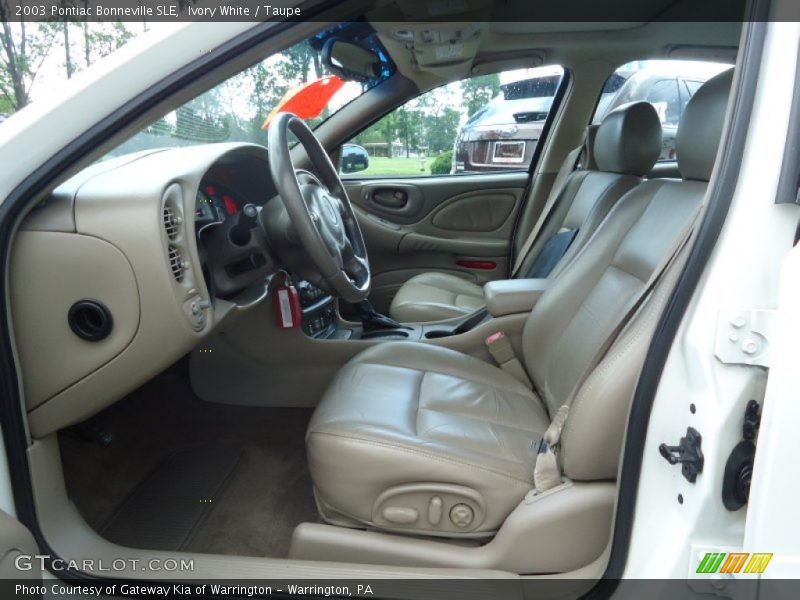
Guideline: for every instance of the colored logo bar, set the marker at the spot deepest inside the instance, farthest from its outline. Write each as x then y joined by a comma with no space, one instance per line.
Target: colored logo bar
734,562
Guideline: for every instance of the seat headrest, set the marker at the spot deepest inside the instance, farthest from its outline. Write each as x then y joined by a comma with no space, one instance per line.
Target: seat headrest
628,140
701,127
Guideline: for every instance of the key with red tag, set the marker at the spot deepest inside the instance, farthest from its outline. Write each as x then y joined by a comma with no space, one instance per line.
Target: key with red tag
287,307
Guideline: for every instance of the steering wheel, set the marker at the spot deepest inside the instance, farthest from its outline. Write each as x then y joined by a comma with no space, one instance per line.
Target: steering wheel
319,210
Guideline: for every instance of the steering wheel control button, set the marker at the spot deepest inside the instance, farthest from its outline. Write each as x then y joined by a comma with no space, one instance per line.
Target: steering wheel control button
461,515
435,509
400,515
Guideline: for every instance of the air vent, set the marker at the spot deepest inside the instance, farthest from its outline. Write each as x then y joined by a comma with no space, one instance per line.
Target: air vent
176,263
171,222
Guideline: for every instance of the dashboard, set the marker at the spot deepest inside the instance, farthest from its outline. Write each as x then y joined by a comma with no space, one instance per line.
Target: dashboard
162,246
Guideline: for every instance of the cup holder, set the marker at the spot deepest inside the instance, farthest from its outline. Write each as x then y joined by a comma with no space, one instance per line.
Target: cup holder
438,333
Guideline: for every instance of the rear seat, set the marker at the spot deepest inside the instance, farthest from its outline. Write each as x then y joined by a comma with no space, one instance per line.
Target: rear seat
625,148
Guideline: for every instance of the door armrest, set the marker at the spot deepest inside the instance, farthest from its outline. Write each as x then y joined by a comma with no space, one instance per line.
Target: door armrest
509,296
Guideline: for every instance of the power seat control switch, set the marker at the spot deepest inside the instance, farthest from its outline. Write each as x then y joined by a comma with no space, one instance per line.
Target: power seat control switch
687,453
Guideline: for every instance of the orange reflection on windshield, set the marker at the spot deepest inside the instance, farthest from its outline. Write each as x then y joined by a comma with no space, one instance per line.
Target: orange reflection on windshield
307,100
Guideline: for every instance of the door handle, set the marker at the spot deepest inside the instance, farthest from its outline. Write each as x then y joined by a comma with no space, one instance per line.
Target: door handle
389,198
398,201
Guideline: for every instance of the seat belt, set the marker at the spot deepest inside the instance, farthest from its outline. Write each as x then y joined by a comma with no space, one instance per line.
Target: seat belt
503,354
558,187
546,472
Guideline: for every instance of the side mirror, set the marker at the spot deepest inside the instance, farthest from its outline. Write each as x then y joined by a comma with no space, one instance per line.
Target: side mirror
353,159
350,61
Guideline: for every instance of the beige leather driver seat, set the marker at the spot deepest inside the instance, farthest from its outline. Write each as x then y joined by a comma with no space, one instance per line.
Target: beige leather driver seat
421,439
625,147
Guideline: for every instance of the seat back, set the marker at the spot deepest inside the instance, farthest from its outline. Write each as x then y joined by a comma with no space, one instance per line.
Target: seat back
624,147
585,303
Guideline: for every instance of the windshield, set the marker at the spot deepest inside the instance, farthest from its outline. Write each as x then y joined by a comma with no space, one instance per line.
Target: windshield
239,109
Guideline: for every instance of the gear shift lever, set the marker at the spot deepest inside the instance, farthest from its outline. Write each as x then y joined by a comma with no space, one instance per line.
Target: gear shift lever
372,320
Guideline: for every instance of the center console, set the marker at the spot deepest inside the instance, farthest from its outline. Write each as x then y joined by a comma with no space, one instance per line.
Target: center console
513,296
321,320
318,308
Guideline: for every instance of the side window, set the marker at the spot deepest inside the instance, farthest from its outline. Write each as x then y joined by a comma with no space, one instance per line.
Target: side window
483,124
688,88
666,100
667,84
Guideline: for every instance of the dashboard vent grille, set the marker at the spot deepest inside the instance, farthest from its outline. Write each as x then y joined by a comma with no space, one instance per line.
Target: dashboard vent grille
171,222
176,263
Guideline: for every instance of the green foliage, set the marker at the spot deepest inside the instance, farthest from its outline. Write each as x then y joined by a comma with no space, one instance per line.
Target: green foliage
380,166
269,83
100,40
161,127
23,48
6,105
419,128
412,135
441,164
477,91
442,130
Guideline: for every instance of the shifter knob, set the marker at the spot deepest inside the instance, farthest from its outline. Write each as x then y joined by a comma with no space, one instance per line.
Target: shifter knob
248,216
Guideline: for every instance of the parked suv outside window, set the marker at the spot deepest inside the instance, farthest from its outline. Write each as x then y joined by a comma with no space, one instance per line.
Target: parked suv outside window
666,84
503,134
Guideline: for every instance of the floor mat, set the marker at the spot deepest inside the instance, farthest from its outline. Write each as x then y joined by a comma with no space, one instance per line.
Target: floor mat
165,510
267,494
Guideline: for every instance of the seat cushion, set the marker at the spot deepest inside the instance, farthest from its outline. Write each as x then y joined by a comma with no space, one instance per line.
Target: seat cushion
435,296
404,424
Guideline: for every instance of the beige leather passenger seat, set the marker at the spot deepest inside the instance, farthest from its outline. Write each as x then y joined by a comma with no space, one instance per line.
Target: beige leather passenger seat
421,439
625,148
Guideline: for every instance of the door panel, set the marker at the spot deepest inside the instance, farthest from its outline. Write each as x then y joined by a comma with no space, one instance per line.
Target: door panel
17,546
457,224
402,202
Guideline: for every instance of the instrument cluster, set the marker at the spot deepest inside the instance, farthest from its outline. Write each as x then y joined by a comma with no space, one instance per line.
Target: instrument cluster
215,203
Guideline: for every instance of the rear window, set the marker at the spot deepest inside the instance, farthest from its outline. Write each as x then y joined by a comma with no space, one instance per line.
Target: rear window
666,84
540,87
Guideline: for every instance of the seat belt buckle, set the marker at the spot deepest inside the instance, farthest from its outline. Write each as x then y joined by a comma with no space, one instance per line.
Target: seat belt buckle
497,335
503,354
287,307
500,348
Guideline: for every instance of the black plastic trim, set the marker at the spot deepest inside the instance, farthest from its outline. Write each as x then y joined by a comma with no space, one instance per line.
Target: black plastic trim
718,204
